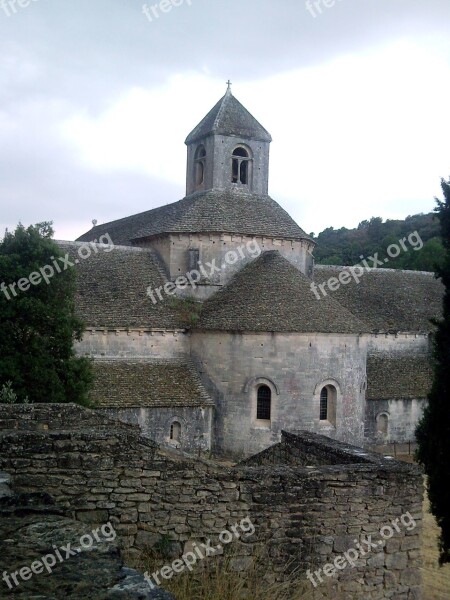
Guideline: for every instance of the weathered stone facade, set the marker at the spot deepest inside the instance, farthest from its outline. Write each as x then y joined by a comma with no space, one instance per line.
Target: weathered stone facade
134,343
295,367
310,499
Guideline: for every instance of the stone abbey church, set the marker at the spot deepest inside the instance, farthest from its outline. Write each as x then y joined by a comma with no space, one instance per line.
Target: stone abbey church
227,363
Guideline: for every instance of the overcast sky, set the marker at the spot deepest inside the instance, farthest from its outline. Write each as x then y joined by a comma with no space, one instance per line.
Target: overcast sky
96,101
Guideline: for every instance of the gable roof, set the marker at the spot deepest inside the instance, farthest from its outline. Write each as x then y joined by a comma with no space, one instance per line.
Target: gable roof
112,285
388,299
213,211
270,294
229,117
120,383
401,377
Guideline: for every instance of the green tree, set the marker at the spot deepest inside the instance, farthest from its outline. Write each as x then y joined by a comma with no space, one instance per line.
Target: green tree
345,246
38,325
433,431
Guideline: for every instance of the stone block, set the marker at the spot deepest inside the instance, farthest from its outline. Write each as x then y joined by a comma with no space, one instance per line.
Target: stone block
93,516
410,577
397,561
146,539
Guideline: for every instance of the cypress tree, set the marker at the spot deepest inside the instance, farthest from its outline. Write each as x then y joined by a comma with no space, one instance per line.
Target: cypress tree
433,431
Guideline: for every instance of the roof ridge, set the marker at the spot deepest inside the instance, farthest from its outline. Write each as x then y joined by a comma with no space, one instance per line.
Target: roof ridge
372,269
220,111
75,243
143,359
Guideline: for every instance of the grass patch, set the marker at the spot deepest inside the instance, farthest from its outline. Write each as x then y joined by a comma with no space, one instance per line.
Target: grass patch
221,578
188,310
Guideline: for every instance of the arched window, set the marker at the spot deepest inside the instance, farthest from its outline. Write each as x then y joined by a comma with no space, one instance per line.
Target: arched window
199,163
327,410
175,431
264,402
240,166
383,424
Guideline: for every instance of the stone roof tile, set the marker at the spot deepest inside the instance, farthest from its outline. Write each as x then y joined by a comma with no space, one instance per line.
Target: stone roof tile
147,383
401,377
112,288
213,211
229,117
389,299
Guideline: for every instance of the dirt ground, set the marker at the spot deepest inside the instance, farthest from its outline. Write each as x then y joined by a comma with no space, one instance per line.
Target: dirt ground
436,579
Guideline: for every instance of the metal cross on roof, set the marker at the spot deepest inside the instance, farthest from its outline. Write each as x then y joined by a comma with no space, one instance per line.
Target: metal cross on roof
229,84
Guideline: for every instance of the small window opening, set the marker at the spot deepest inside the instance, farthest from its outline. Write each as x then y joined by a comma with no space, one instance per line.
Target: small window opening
199,163
175,431
194,258
383,424
324,404
240,166
264,401
244,172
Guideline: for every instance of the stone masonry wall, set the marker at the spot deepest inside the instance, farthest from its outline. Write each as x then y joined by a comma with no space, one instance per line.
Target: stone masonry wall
304,516
295,366
133,343
174,250
196,423
404,415
308,449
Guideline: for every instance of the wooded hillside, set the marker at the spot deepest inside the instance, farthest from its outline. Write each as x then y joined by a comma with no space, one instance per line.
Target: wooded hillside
346,246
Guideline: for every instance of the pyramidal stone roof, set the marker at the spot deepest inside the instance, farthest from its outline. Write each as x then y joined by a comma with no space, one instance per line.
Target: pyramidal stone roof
388,300
213,211
270,294
229,117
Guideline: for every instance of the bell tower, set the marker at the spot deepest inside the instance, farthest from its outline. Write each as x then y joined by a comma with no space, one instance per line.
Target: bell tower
228,150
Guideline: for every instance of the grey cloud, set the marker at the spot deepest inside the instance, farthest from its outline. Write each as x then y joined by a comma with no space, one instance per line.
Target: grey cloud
81,55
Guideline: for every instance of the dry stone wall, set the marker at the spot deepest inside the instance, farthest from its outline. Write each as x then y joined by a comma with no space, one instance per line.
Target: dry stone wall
310,499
